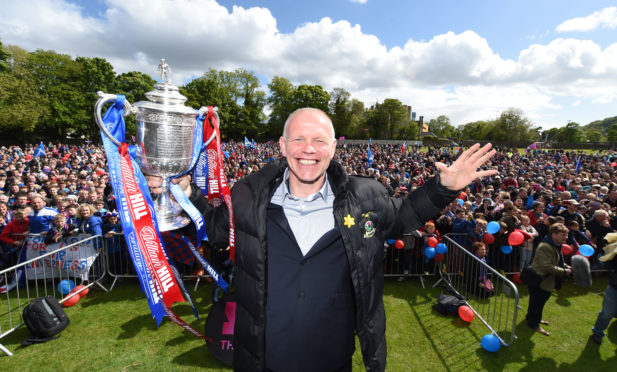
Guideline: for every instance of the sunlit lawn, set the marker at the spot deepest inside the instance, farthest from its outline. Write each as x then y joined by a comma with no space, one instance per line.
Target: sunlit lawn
115,332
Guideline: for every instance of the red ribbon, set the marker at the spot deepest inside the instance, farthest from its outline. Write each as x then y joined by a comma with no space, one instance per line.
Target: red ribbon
147,237
217,182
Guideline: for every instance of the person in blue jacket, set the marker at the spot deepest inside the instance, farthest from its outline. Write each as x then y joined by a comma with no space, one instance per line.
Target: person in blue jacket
88,222
41,217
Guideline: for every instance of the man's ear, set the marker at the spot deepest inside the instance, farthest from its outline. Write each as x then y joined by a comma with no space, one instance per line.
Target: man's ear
282,146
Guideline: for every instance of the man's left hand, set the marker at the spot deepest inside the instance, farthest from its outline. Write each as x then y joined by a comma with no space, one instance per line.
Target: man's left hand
465,169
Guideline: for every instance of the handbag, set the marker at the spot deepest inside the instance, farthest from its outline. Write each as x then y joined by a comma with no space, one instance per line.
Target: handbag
530,277
488,285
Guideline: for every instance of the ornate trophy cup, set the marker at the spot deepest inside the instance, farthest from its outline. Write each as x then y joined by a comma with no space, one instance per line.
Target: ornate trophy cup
165,129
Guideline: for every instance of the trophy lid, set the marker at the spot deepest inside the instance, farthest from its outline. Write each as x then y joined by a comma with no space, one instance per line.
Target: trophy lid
165,94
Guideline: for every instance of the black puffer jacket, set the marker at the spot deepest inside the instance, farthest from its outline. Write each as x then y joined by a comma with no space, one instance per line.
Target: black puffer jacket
358,201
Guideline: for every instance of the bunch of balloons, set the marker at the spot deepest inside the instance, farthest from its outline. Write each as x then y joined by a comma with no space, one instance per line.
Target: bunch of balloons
74,297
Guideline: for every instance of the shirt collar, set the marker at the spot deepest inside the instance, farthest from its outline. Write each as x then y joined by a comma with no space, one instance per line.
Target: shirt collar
325,192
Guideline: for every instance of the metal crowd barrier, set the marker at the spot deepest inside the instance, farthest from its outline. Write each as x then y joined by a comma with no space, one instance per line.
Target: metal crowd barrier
120,266
510,263
408,261
41,277
461,272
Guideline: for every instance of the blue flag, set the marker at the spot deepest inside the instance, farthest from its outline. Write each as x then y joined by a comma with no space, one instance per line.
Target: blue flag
579,163
370,156
253,143
246,142
39,151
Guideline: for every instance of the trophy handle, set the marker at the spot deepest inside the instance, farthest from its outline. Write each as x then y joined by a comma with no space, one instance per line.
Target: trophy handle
203,111
103,99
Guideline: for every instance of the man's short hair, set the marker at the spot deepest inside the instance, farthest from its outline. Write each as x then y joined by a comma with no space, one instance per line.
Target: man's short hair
558,228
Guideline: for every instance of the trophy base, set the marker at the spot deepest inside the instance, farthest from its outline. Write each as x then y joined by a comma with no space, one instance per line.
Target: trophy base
168,222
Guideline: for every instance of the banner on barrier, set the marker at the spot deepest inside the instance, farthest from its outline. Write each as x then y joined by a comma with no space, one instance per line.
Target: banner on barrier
72,262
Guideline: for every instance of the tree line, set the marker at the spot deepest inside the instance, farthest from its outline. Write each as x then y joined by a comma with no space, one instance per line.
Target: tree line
51,96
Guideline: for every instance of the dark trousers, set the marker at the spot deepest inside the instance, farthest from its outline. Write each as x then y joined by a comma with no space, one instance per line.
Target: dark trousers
537,300
345,368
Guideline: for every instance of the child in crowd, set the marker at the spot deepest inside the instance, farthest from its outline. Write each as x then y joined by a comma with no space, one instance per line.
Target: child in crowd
112,230
58,230
528,244
72,216
477,234
576,237
483,285
99,206
462,226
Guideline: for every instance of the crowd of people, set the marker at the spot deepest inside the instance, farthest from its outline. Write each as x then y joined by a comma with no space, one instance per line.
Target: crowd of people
531,191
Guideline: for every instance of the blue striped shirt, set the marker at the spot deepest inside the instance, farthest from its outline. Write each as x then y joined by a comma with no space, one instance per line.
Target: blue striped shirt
309,218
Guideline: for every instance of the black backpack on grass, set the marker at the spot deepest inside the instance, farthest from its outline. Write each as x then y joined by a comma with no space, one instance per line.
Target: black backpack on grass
448,304
44,318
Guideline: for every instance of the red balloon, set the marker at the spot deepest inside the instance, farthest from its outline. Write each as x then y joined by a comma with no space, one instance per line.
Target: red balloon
516,278
82,293
432,242
462,196
439,257
566,249
399,244
516,238
613,164
465,313
70,300
488,238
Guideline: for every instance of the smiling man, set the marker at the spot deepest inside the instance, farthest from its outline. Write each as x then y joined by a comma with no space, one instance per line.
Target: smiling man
309,250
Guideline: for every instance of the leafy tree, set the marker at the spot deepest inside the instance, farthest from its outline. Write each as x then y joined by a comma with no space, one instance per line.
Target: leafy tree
340,111
4,59
240,103
357,119
398,122
612,133
512,126
251,116
55,76
593,134
281,104
22,105
477,130
95,74
441,127
215,88
571,133
134,85
310,96
389,120
377,123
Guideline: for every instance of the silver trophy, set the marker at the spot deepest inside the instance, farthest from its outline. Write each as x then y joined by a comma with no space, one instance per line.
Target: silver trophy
164,145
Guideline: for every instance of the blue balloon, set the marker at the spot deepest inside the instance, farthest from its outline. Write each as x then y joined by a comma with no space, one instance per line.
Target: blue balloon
460,202
441,248
507,249
493,227
66,286
586,250
390,241
430,252
490,343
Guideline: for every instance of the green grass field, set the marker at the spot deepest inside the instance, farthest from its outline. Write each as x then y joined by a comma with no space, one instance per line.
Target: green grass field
115,332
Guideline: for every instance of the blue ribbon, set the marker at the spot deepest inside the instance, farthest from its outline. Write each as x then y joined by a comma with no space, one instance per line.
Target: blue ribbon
114,122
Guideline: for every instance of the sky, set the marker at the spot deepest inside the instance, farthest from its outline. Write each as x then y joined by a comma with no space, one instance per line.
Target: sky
556,60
